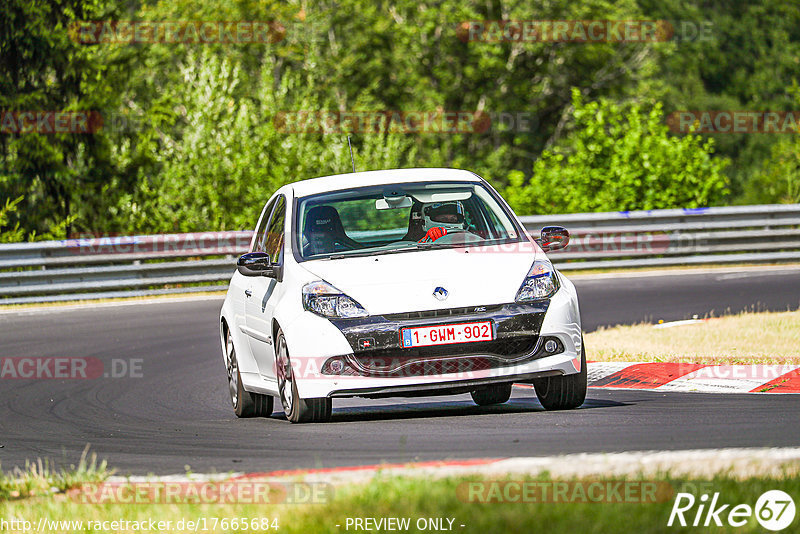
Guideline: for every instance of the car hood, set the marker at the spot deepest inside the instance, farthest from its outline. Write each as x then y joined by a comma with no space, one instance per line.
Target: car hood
404,282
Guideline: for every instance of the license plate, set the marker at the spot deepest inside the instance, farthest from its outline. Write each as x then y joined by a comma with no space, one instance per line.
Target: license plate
447,334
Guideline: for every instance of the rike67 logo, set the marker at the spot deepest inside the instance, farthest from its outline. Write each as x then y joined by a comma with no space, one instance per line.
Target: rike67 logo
774,510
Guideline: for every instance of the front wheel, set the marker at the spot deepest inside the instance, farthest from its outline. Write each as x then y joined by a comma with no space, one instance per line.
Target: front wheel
245,403
495,394
297,409
563,392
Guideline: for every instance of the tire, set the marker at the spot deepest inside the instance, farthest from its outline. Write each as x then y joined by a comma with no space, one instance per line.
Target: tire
563,392
245,404
494,394
297,409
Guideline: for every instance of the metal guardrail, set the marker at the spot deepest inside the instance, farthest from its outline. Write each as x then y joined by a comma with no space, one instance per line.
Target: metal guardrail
673,237
181,263
106,267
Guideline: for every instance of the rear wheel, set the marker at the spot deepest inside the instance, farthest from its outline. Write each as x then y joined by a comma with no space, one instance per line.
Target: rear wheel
563,392
297,409
494,394
245,404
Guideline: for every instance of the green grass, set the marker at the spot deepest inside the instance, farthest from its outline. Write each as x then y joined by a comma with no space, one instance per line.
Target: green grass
745,338
403,497
441,498
39,479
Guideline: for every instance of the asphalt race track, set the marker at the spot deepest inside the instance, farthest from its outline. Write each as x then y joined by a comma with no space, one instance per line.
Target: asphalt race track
177,413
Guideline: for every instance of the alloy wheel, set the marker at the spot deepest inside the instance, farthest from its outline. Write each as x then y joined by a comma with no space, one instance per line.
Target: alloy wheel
285,376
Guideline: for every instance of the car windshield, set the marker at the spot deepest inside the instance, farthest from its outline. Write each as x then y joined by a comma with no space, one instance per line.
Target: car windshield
400,217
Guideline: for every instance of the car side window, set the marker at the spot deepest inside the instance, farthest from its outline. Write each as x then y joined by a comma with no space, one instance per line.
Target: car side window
275,232
261,231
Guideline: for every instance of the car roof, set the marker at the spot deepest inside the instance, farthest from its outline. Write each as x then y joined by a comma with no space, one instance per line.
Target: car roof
352,180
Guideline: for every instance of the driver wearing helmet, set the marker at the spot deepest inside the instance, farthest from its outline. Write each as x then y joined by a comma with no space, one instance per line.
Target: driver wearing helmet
441,217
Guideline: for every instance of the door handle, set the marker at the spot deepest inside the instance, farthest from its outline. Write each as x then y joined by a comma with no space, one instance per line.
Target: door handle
248,292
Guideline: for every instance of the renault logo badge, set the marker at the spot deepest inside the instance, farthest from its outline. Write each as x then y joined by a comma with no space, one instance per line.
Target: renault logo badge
440,293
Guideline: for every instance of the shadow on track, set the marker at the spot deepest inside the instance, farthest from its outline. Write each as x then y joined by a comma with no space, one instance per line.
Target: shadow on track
430,410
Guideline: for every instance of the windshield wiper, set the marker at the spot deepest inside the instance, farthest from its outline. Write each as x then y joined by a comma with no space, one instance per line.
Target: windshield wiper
372,252
376,252
431,244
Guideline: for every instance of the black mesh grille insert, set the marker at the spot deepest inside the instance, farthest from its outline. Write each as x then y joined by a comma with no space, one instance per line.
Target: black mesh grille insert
507,347
425,361
501,349
450,312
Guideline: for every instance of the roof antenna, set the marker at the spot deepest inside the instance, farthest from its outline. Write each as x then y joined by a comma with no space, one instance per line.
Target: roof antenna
351,153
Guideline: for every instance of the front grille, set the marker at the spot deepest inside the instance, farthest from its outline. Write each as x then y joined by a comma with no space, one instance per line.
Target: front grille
428,361
462,357
508,348
393,367
450,312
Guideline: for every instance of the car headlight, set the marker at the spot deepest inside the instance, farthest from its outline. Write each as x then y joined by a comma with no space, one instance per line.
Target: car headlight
541,282
325,300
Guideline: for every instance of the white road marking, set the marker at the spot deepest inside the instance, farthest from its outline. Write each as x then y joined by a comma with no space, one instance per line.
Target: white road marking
685,322
54,308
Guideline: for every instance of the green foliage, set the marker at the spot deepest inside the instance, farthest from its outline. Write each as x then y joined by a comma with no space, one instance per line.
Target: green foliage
13,233
619,158
39,478
779,179
747,63
10,234
228,155
43,69
197,146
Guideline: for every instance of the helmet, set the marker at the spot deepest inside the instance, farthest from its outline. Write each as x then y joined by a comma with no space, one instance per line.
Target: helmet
449,215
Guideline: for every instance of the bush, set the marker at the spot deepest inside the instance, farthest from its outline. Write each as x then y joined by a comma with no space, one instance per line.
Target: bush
619,158
225,155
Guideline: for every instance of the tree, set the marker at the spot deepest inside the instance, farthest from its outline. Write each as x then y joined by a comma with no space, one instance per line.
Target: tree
746,62
779,179
44,71
229,155
619,158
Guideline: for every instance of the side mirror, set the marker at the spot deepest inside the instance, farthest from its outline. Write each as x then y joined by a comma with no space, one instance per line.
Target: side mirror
254,264
554,238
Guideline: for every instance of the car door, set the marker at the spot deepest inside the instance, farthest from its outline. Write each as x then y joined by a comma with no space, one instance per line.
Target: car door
262,293
240,284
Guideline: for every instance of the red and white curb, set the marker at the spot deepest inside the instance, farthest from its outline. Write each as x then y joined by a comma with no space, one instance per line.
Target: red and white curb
692,377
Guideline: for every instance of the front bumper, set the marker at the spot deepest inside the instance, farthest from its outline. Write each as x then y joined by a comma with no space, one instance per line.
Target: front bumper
382,367
377,349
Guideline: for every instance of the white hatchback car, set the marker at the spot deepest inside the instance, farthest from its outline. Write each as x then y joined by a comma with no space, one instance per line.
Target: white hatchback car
404,282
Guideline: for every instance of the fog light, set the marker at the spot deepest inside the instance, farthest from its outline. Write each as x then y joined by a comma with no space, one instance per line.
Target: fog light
550,345
337,366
